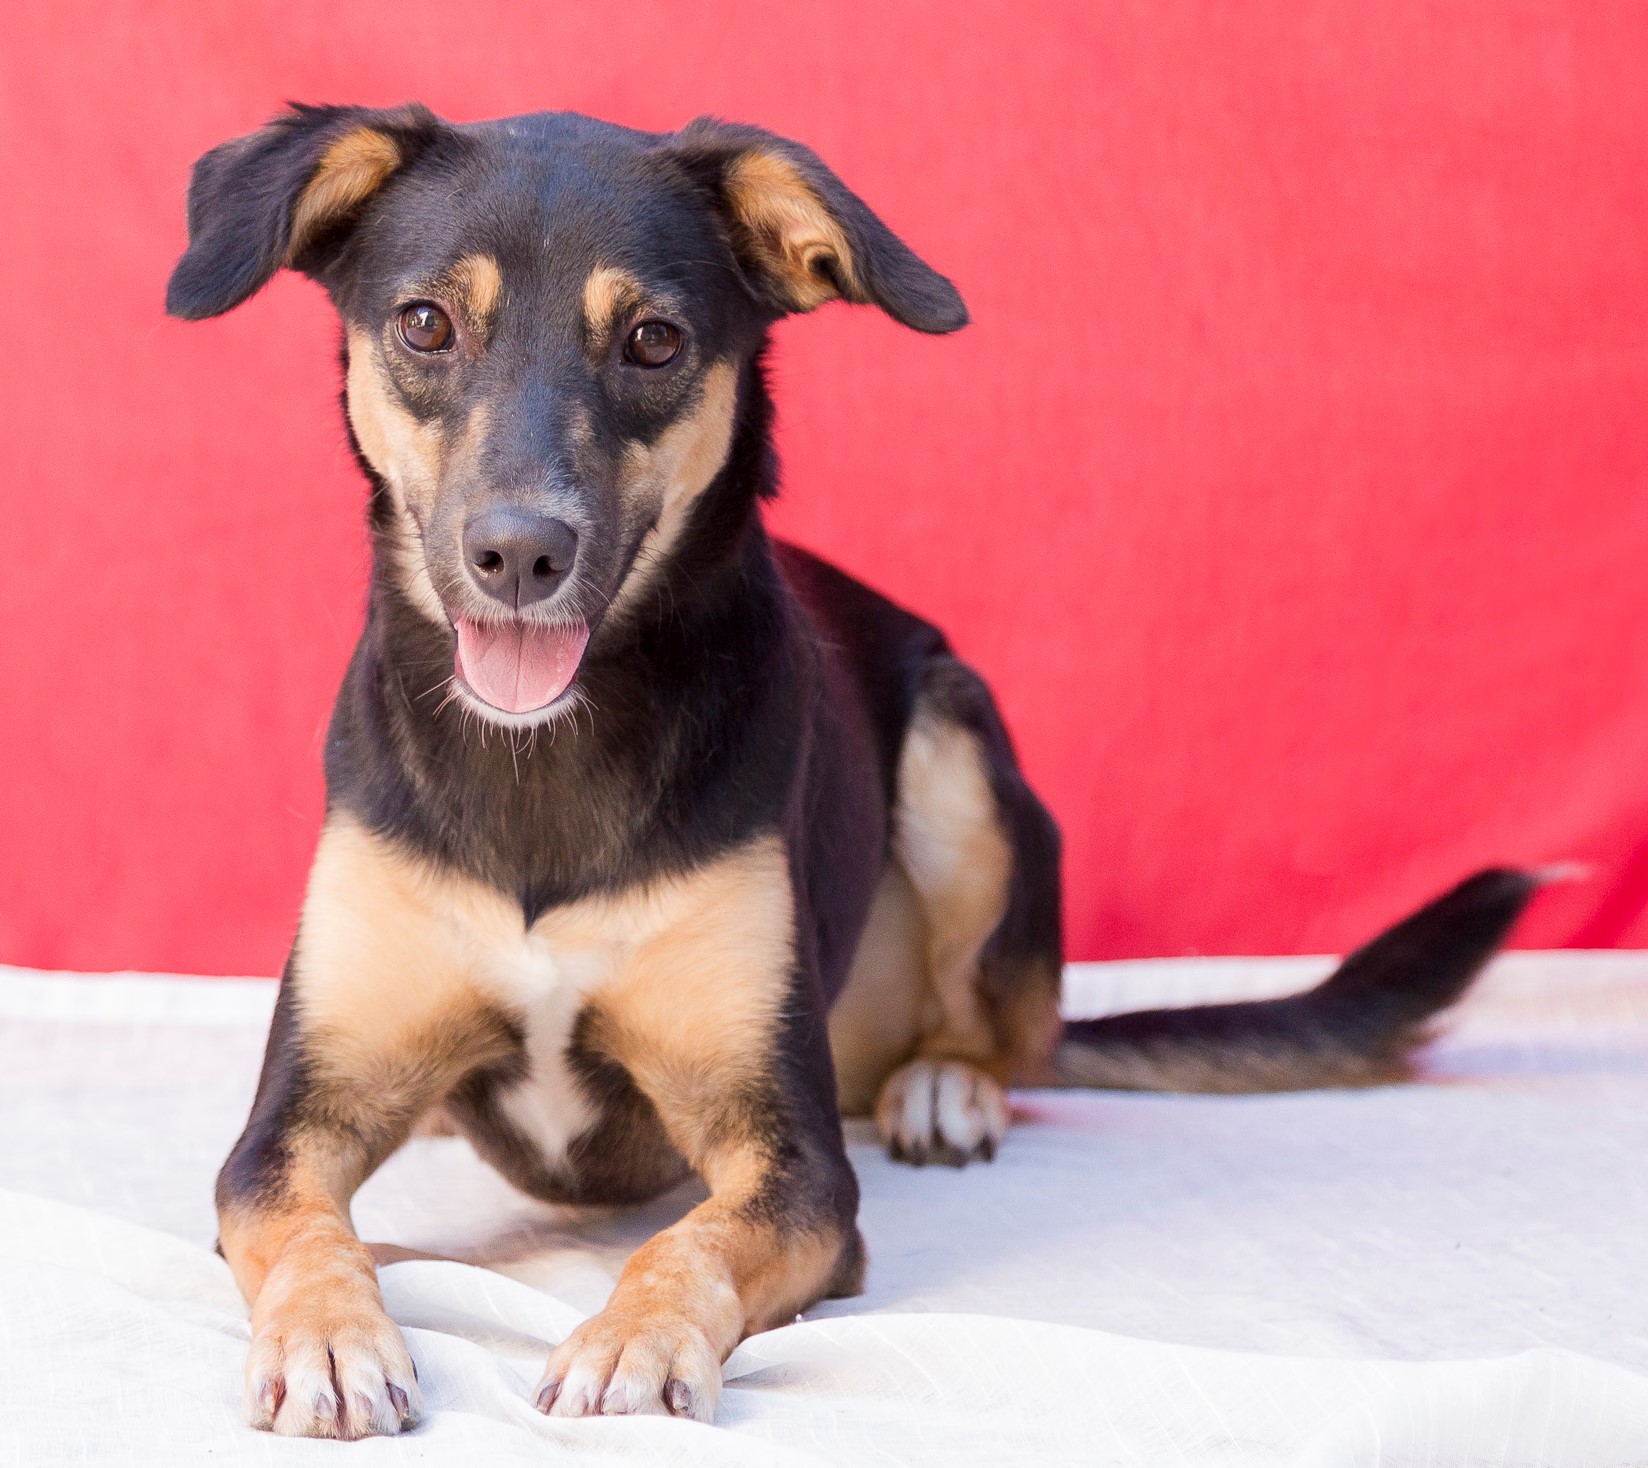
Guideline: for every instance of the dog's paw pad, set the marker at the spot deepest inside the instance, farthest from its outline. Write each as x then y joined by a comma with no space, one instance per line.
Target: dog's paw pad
941,1111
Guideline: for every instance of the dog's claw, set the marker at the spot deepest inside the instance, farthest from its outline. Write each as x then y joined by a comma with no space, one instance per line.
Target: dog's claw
944,1111
268,1398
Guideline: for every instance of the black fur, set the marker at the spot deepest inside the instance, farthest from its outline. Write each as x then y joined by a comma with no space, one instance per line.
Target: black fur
242,194
749,690
1357,1026
893,277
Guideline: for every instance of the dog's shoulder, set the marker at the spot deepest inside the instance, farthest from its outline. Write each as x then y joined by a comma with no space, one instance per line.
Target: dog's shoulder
880,647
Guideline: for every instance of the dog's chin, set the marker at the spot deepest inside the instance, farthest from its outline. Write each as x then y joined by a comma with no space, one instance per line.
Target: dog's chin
516,672
561,707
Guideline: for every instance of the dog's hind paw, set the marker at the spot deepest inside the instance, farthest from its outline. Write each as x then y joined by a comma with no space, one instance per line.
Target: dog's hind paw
941,1111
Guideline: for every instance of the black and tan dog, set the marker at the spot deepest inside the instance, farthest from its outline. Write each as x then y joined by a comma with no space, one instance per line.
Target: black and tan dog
651,845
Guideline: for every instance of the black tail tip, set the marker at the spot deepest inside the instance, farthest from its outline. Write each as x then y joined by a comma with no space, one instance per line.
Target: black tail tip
1478,914
1502,889
1428,959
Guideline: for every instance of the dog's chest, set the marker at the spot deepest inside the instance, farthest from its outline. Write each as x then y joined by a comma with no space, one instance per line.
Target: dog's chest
438,974
543,982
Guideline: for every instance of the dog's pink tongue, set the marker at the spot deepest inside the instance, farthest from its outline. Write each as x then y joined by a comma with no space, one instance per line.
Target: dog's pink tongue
518,667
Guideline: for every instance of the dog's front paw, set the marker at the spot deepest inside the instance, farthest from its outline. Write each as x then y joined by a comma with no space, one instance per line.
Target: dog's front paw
324,1364
941,1111
629,1361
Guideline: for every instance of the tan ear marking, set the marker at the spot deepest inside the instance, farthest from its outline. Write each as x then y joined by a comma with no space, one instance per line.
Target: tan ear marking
792,232
351,169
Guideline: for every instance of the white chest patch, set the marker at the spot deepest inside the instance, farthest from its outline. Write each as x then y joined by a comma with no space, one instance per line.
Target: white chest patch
407,967
544,985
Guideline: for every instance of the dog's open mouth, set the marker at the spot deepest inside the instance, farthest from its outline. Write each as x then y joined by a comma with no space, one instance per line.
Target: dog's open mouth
519,667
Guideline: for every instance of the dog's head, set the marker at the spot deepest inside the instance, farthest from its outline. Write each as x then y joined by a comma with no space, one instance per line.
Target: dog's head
547,322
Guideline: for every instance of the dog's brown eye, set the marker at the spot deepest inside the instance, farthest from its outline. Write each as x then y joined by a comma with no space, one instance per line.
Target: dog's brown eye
425,328
653,344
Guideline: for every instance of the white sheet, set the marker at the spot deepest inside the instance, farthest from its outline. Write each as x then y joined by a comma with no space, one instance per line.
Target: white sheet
1448,1273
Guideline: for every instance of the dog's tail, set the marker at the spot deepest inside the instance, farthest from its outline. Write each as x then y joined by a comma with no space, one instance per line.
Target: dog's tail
1357,1027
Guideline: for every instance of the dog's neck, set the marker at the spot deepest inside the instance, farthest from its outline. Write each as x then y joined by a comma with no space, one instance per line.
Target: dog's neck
559,809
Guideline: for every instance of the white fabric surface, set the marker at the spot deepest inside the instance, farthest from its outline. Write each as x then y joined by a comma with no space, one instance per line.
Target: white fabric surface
1453,1272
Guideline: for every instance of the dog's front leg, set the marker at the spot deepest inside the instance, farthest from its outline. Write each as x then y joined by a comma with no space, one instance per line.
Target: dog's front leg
325,1360
776,1235
373,1025
719,1023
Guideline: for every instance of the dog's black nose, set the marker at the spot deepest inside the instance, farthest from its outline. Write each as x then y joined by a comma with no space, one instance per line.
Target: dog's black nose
517,556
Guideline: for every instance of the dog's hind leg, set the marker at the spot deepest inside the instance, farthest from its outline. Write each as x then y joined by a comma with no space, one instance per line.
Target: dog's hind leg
982,856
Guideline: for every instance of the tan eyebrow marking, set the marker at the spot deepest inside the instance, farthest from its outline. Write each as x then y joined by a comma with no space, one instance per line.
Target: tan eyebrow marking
608,292
479,284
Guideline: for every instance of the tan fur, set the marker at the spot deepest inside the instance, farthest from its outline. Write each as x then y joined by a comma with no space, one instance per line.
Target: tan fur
691,1014
478,285
666,476
387,974
887,1004
949,839
690,1294
684,978
383,928
403,974
325,1359
787,225
691,1010
684,982
684,1300
253,1238
392,1018
916,991
406,453
920,1033
608,294
352,169
1029,1023
670,474
1221,1069
409,455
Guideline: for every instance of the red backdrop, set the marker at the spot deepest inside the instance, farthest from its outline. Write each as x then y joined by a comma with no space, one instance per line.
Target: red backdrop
1289,486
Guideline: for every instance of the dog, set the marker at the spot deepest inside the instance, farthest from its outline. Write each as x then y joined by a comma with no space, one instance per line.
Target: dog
652,844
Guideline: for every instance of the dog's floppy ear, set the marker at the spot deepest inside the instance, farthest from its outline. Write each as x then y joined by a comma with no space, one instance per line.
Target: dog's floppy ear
802,236
278,196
